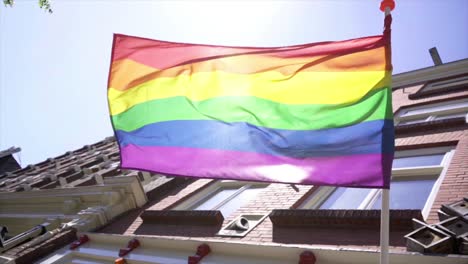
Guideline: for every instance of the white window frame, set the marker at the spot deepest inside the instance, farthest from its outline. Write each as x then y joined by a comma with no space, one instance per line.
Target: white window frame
446,84
428,114
206,193
317,198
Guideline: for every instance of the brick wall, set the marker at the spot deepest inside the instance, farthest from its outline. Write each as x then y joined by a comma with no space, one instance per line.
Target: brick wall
455,184
285,196
170,200
275,196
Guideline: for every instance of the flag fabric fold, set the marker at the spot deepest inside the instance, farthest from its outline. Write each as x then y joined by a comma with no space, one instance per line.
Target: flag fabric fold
316,113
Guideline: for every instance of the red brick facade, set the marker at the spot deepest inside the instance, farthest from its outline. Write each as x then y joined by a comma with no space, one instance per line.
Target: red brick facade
331,229
455,184
284,196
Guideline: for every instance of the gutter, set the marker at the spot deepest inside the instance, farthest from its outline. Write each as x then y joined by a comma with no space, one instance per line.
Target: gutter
423,75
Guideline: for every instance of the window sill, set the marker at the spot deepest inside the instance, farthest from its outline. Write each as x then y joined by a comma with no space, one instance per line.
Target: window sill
424,93
417,171
369,219
430,125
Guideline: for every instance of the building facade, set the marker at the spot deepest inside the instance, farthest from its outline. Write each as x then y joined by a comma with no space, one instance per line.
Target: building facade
81,208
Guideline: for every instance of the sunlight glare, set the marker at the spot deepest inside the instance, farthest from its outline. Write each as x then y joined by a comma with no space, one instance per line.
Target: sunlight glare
229,23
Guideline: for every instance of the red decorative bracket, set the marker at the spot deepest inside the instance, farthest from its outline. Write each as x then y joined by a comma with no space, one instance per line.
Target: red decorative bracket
307,257
120,261
132,244
202,251
387,3
81,240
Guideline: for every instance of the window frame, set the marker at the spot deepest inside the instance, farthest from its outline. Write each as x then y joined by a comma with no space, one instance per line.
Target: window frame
431,115
319,196
205,194
445,84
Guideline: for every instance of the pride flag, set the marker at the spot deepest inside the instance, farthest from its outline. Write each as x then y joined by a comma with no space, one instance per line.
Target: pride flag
309,114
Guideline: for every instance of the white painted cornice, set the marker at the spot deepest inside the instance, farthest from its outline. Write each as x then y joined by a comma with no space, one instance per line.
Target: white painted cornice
105,247
88,207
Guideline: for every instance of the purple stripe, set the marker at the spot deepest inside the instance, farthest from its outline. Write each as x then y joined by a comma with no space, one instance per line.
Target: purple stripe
366,170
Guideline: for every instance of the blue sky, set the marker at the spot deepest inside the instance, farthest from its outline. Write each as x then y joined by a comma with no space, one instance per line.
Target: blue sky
54,67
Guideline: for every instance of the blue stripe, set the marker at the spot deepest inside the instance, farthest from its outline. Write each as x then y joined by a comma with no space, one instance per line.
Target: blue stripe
363,138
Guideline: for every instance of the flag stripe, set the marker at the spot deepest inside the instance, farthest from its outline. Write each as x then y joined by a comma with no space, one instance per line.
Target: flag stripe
257,111
137,73
163,54
362,138
303,88
316,113
364,170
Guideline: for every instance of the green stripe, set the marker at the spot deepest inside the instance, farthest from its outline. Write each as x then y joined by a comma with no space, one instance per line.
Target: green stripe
257,111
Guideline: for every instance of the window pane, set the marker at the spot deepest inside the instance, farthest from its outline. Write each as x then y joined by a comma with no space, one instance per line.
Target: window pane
240,200
345,198
215,199
418,161
408,194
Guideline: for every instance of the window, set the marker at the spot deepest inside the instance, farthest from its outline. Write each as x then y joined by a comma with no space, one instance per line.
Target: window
416,177
225,196
426,113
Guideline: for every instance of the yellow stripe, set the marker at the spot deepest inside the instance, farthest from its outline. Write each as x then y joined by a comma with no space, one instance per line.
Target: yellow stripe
301,88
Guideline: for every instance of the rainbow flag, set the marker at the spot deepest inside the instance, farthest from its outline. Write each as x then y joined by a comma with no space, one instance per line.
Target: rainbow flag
309,114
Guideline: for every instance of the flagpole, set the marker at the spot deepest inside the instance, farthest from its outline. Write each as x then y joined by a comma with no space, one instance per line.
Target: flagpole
386,5
384,227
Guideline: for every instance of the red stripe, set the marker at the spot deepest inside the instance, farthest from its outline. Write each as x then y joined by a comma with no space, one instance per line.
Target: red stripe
163,54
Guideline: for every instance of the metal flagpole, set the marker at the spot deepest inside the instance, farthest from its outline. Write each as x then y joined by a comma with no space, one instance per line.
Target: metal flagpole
386,5
384,227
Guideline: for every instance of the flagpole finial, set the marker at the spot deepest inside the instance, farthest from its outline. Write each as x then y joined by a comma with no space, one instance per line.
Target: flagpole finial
387,4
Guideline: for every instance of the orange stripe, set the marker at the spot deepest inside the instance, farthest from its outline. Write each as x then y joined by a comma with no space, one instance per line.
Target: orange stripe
126,73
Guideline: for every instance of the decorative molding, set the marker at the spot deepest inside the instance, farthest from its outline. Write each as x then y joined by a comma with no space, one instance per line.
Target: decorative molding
105,247
87,208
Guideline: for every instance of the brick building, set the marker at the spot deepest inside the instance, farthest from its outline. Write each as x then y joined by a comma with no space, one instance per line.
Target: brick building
83,192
